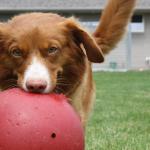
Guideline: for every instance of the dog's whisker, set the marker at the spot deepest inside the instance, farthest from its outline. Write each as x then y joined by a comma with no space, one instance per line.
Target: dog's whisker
58,90
13,85
10,80
7,80
10,87
63,84
61,77
61,80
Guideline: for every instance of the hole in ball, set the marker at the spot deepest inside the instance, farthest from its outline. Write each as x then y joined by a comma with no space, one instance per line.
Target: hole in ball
53,135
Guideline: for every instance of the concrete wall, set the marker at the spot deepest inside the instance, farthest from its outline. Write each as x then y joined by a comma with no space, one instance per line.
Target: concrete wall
140,50
116,59
121,59
141,46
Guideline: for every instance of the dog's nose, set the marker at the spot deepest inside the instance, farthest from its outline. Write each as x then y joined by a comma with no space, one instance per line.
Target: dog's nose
36,86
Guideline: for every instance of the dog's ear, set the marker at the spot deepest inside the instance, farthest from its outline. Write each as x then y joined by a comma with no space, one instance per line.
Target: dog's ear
3,29
4,34
84,40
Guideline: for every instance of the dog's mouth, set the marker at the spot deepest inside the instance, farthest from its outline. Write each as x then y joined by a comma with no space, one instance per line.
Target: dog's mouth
9,82
59,87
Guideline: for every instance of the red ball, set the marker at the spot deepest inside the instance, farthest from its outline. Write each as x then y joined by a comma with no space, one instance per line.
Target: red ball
38,122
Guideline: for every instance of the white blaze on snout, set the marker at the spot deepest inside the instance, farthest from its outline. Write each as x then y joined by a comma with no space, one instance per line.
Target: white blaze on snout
37,71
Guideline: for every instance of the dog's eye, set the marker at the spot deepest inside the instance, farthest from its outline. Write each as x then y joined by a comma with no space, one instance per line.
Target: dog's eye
52,49
16,53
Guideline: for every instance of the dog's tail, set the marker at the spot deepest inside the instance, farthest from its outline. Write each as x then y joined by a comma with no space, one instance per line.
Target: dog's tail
113,23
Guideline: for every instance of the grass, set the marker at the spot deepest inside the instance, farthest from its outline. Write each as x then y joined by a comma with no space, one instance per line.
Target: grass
121,116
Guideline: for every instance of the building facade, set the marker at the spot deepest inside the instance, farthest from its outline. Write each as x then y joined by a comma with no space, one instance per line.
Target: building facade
133,52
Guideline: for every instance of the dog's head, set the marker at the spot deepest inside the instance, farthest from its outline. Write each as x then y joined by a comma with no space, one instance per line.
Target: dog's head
44,52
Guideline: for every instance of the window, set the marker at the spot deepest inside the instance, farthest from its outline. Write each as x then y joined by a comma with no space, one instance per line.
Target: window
137,24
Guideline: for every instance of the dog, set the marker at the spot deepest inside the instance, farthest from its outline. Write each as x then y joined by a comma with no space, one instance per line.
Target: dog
45,52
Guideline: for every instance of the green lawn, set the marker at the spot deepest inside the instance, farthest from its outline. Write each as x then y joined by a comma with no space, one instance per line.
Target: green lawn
121,116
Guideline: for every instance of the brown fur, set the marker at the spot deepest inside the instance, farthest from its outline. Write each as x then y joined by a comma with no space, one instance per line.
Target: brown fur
70,69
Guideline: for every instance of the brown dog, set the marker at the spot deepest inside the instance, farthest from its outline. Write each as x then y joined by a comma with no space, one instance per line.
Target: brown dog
44,52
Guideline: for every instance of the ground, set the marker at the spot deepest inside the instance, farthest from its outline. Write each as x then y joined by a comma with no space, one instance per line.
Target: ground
121,116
